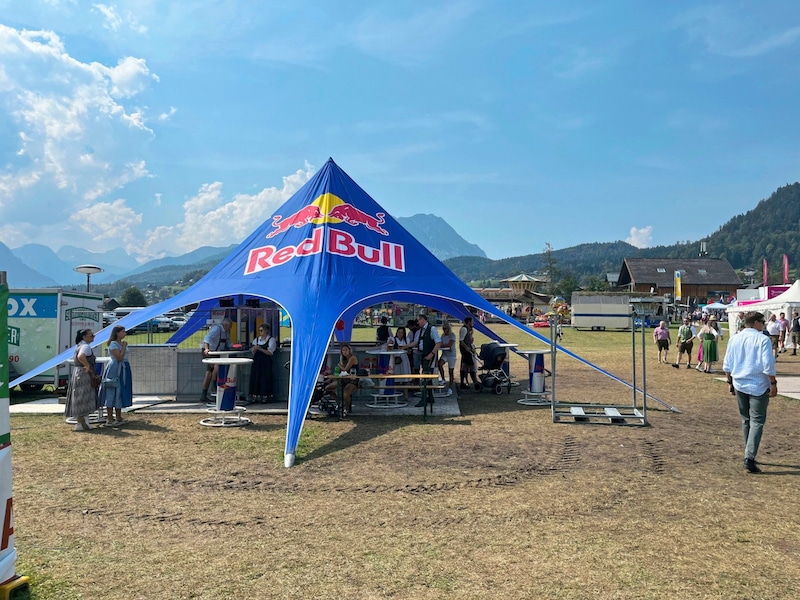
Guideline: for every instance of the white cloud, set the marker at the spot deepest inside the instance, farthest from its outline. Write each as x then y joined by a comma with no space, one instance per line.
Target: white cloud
130,77
640,237
735,32
73,132
166,116
113,20
112,221
209,218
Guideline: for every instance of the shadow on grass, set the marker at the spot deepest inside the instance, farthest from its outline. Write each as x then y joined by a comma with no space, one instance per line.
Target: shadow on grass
790,469
367,428
132,426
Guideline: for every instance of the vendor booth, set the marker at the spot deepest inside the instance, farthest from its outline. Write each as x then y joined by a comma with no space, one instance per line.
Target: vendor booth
787,302
326,255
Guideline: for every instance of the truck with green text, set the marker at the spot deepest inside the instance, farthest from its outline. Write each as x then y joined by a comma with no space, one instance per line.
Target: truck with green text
43,323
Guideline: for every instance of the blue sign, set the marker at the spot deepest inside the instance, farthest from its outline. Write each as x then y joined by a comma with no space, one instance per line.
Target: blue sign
32,306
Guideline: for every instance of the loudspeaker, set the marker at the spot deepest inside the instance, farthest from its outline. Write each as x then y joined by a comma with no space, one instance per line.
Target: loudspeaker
226,302
253,302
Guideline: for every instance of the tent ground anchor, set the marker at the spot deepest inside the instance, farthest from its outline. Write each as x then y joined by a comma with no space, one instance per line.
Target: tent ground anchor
226,418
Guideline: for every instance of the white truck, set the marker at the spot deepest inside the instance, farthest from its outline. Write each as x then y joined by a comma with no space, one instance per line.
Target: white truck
43,323
599,311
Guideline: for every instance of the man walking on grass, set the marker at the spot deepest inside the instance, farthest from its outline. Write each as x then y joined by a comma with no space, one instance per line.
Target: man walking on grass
686,333
661,339
749,365
795,330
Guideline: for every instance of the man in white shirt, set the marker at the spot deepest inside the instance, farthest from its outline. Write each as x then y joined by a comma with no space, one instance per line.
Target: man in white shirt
749,365
774,331
217,338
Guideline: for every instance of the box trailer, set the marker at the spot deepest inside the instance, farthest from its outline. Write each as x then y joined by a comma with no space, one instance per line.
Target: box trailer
599,311
43,323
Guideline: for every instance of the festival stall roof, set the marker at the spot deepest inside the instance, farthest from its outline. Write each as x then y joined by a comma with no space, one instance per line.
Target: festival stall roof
329,252
715,306
786,302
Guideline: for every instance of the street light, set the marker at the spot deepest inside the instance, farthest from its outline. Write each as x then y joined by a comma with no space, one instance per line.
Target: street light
89,270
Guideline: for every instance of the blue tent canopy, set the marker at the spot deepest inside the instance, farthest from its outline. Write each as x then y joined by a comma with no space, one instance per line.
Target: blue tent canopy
327,253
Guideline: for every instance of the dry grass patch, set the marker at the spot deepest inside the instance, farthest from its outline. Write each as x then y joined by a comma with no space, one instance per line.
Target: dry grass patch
498,503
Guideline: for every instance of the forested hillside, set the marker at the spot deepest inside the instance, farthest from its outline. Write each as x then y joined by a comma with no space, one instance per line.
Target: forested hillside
769,231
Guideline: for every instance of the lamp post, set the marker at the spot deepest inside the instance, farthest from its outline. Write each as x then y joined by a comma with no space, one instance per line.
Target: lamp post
89,270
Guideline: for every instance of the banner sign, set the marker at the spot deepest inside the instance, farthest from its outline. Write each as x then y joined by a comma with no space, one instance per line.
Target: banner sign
8,554
677,285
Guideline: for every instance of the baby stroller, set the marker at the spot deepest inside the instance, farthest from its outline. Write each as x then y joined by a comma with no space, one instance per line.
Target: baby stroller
490,360
322,403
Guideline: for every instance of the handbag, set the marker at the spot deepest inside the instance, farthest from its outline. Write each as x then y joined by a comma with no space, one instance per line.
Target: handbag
111,382
94,379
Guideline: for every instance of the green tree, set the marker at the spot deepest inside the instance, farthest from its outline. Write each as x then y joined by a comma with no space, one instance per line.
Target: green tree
550,268
132,296
566,286
595,284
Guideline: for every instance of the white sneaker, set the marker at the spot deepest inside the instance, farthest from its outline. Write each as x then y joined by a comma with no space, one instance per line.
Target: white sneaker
449,392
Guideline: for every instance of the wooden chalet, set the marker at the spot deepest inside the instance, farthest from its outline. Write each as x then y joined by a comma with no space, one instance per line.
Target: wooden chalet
703,280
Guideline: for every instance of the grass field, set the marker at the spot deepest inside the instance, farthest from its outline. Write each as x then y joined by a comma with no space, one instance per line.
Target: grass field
498,503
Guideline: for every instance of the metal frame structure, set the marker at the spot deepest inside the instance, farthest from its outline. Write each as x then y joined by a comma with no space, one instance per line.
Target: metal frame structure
609,414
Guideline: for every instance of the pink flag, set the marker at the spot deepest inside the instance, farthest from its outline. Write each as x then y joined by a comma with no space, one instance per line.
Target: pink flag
766,272
785,268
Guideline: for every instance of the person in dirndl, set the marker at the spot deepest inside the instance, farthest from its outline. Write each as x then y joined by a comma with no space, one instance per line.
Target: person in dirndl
82,392
116,389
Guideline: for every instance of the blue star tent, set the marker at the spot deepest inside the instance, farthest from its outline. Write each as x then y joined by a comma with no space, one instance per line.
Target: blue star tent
329,252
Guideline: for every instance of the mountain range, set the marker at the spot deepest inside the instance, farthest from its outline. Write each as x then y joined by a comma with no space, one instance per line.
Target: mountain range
36,265
766,232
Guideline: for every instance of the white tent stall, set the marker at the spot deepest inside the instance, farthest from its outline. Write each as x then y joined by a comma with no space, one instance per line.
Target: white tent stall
786,302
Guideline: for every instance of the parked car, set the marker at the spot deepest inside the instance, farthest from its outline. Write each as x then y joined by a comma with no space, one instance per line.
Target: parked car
151,325
179,321
154,325
165,324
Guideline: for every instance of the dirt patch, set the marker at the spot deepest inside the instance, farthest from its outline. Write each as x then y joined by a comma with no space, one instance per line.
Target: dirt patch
498,503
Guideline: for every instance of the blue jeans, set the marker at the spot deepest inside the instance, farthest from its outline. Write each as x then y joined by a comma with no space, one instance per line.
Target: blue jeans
753,410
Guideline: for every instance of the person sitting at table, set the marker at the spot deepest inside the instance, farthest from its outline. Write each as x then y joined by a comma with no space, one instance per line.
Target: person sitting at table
347,361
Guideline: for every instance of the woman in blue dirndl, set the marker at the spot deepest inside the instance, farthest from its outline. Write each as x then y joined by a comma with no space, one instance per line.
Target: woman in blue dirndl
119,396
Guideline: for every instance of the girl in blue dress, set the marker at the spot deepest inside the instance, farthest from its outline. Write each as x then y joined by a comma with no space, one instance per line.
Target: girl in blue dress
120,396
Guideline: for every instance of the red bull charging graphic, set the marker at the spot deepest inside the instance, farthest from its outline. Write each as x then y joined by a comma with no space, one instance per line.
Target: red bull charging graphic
328,208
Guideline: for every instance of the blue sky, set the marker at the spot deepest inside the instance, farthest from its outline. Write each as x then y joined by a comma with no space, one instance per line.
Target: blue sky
163,126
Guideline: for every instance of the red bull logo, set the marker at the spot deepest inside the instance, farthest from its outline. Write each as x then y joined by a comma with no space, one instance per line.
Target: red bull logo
302,217
328,208
354,217
339,243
